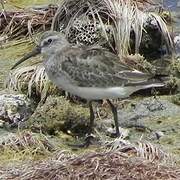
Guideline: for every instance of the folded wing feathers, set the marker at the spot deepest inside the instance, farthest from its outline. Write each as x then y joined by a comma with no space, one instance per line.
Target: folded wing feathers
100,67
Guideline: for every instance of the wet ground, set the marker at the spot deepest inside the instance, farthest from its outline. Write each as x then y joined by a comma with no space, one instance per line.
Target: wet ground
18,4
167,122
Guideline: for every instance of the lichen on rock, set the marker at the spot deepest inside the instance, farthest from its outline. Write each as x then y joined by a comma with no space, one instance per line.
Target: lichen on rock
15,108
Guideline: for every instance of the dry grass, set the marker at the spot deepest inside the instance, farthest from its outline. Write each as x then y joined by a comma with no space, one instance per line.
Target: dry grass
105,165
123,161
144,150
31,80
21,23
121,17
24,140
22,146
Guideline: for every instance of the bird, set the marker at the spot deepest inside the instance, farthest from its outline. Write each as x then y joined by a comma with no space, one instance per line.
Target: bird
89,72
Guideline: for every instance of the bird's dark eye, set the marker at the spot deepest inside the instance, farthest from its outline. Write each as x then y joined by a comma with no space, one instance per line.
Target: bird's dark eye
49,41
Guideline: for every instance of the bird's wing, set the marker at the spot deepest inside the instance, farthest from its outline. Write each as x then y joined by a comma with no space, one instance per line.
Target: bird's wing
96,67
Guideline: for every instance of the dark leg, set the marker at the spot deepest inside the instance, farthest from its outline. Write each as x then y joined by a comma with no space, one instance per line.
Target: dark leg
114,111
91,124
90,137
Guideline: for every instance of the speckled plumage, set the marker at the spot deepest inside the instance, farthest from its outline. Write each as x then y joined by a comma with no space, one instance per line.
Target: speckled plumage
89,72
94,67
77,68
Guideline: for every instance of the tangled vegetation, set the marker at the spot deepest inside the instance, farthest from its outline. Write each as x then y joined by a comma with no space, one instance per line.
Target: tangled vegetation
121,26
104,165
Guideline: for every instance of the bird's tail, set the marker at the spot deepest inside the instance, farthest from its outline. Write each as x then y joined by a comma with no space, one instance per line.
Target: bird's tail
159,80
156,81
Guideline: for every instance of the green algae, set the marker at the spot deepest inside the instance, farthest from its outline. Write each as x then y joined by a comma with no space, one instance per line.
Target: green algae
20,4
32,2
169,126
171,139
9,54
176,99
62,119
23,145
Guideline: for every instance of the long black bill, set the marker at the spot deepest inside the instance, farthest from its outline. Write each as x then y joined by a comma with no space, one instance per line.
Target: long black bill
34,52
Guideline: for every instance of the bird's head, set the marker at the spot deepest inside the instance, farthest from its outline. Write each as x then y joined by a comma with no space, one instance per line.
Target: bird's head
49,42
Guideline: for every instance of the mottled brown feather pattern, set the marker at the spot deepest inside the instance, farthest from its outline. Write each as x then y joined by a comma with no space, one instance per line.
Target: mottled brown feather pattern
95,67
89,72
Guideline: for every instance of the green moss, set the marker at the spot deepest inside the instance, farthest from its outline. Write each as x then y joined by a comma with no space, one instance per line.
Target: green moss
24,145
176,99
16,4
35,149
15,49
58,114
9,155
169,126
9,54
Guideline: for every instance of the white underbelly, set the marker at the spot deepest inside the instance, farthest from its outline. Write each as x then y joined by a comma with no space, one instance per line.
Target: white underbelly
111,92
102,93
93,93
90,92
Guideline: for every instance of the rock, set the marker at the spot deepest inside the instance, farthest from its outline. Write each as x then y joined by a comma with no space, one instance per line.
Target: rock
156,135
159,134
1,123
123,132
177,44
170,5
176,99
15,108
149,107
153,44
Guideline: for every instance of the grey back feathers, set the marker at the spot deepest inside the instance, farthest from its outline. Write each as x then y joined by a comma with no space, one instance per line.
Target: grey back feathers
72,67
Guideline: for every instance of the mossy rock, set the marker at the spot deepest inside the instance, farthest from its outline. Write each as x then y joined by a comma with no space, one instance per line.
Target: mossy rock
161,115
15,108
58,114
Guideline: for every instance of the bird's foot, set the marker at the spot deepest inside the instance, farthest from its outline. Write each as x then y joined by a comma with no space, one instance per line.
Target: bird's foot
114,134
139,127
124,132
118,132
90,139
